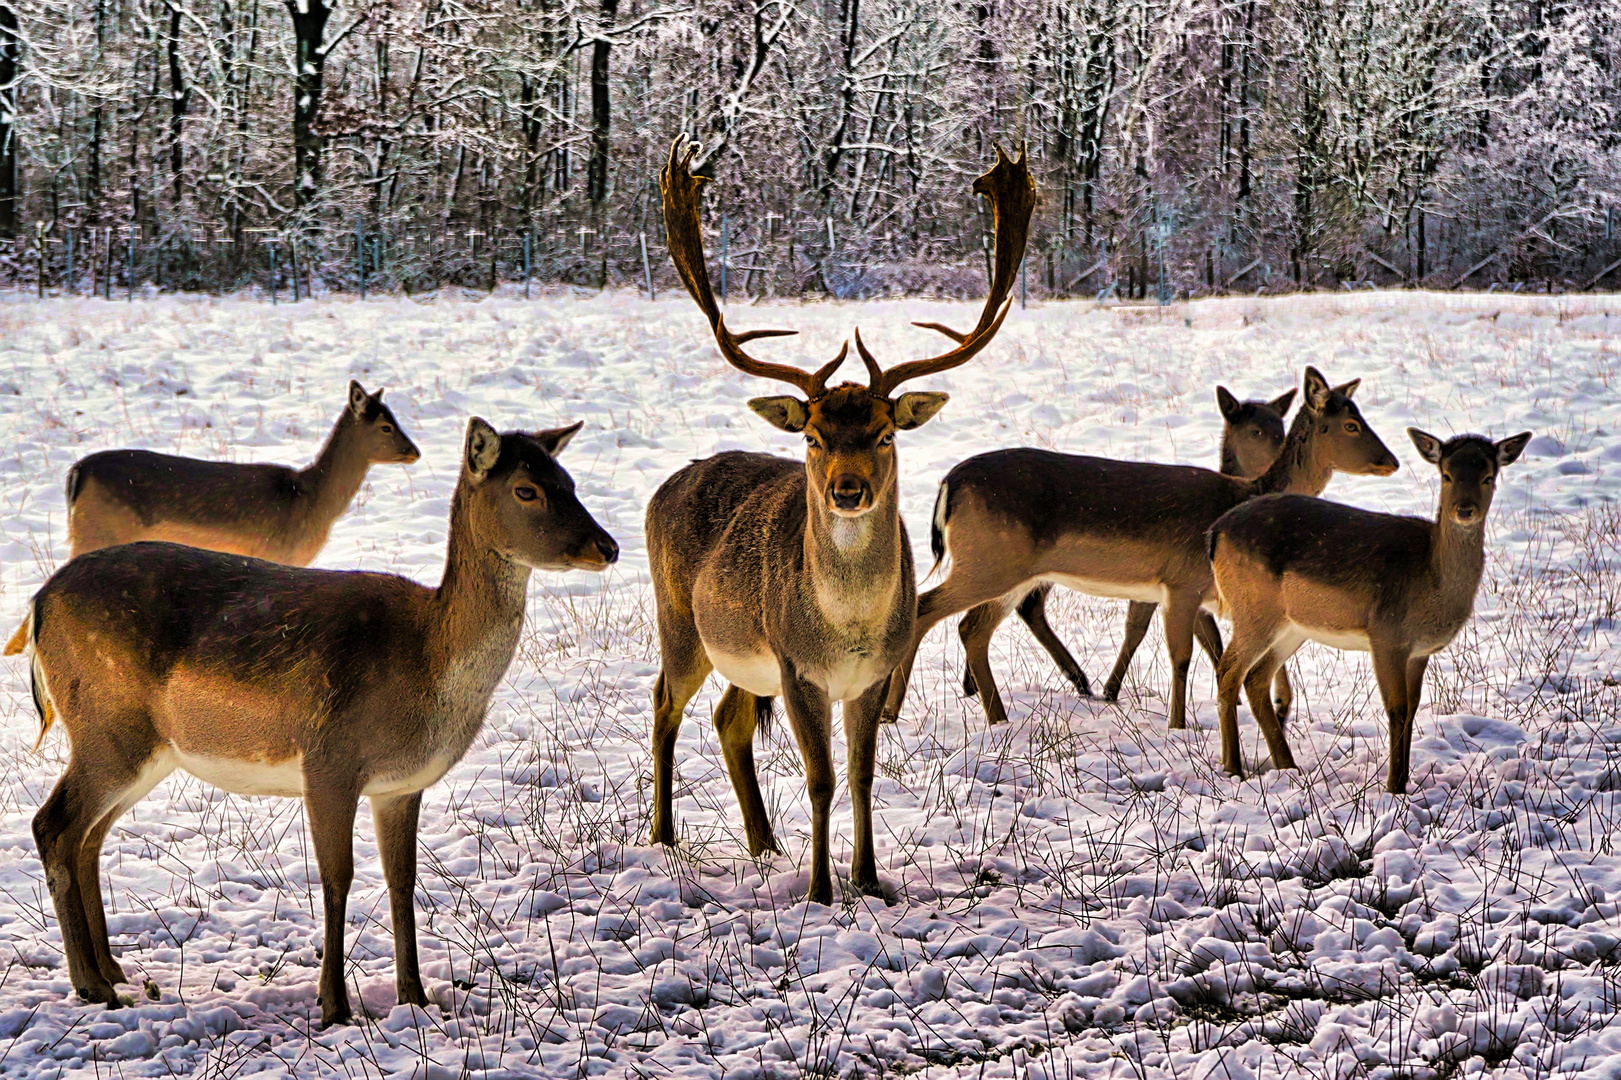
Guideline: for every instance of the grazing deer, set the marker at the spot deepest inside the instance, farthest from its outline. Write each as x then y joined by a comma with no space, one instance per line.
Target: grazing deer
1251,439
1132,530
1291,570
265,679
795,578
264,511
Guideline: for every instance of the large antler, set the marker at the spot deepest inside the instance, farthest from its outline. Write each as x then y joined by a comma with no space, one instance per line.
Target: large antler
1013,198
684,237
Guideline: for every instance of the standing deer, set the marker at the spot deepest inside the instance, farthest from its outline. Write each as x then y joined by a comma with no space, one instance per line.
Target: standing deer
265,679
1291,570
1132,530
1251,439
795,578
265,511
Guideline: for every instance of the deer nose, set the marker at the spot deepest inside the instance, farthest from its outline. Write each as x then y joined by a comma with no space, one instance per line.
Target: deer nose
1467,511
609,549
847,492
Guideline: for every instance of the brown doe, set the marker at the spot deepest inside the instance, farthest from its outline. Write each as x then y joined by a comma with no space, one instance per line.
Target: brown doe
1291,570
264,511
1011,519
265,679
1251,439
795,578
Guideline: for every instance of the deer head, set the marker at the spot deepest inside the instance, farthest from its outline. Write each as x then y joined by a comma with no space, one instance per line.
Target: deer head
850,429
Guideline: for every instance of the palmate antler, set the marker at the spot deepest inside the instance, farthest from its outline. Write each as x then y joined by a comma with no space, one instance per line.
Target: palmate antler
684,237
1013,198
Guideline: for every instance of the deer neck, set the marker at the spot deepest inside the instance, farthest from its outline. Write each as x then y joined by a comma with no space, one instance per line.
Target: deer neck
330,484
1299,469
1457,556
477,611
855,562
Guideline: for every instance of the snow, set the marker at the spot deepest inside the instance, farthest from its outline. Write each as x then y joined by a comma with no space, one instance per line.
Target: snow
1079,892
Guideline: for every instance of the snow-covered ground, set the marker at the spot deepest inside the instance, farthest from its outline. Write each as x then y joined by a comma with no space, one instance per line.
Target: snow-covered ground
1080,893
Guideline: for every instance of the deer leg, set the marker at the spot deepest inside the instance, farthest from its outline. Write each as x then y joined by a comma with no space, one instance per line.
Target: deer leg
811,715
395,817
1181,610
1416,666
685,668
977,644
1208,634
1283,693
941,602
861,755
1390,664
1033,610
736,717
966,628
1258,688
61,828
330,802
90,868
1139,614
1249,644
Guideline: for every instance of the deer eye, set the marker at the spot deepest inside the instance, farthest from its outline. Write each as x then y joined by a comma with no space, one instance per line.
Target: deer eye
388,429
812,442
1353,428
887,440
525,493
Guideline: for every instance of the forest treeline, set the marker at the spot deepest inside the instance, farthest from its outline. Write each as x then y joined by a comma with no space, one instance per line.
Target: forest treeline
1182,147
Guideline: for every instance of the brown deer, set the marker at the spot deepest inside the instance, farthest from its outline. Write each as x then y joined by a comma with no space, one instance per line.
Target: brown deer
795,578
1251,439
265,679
1290,570
1131,530
265,511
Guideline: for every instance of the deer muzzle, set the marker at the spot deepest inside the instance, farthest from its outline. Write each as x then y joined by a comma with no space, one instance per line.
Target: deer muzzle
849,494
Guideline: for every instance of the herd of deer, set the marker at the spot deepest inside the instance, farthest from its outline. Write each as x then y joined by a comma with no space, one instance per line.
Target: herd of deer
187,633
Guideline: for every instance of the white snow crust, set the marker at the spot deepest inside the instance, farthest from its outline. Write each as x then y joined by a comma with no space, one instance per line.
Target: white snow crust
1077,893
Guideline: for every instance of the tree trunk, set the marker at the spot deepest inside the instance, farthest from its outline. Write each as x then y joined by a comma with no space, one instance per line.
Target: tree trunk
10,69
309,32
179,102
601,105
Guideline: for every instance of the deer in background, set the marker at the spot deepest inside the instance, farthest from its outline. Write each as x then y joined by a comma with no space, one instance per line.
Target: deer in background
1251,439
1291,570
264,679
1012,519
795,578
264,511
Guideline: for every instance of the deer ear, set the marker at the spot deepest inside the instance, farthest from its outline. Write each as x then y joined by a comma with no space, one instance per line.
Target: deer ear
1316,390
1281,403
554,439
483,448
1510,448
1229,405
1429,447
918,408
1348,389
358,398
784,413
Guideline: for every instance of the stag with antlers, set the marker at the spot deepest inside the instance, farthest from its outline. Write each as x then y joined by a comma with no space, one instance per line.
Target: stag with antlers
794,578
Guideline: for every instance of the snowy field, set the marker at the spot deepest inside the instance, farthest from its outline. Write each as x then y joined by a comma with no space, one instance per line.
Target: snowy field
1078,893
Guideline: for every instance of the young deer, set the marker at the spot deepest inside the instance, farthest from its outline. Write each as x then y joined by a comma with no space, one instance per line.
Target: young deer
265,679
1251,439
265,511
1291,570
795,577
1132,530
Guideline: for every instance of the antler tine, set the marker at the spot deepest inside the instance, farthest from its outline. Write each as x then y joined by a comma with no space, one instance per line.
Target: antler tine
1013,199
875,374
684,237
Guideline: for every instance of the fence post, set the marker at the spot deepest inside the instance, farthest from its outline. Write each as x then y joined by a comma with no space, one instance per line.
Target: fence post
647,269
292,250
39,257
725,239
360,254
70,261
273,298
528,243
129,265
